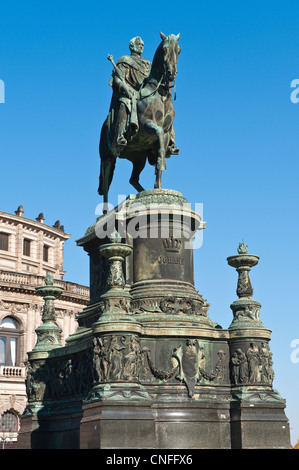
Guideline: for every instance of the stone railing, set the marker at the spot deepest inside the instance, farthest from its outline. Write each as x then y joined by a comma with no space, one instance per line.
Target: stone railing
33,280
12,371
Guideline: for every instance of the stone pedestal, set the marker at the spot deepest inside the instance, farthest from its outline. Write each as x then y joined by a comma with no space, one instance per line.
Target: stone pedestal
147,366
29,424
117,425
259,422
195,425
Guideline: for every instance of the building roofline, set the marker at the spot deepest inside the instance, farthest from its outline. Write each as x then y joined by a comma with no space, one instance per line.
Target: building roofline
36,224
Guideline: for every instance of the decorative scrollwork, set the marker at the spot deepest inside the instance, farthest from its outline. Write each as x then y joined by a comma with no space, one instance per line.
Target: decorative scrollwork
188,362
160,373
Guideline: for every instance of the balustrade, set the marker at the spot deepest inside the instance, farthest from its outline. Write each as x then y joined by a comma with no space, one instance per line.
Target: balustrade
36,280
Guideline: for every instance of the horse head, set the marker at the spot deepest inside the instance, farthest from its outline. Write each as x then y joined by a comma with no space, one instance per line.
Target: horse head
170,49
165,60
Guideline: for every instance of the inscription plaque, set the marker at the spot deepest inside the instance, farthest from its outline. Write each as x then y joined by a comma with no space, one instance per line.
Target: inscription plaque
165,258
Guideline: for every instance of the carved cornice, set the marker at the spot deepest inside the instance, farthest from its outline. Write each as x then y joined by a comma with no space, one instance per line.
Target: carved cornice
33,225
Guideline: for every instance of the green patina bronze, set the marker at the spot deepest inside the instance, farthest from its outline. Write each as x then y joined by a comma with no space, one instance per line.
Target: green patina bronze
147,367
145,347
49,333
139,125
246,310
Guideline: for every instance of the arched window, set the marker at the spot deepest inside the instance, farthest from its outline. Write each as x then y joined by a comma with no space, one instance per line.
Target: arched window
9,336
9,422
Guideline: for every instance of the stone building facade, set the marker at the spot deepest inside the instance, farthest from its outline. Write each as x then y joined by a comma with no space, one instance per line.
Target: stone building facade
29,251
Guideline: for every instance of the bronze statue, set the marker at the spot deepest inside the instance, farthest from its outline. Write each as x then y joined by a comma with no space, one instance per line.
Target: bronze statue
139,125
127,77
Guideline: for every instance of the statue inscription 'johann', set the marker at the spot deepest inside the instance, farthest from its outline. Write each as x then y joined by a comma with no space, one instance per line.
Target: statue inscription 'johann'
139,125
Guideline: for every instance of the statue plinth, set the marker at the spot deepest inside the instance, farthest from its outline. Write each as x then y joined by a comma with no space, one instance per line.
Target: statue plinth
159,226
163,291
145,349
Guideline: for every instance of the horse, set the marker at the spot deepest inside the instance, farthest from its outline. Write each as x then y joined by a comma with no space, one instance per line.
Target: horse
155,137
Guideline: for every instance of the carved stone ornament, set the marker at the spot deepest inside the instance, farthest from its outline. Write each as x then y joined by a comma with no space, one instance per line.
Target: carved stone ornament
242,248
60,379
191,359
244,288
253,367
115,276
173,306
115,252
246,311
188,362
14,307
38,375
117,358
109,305
243,262
167,196
161,374
49,333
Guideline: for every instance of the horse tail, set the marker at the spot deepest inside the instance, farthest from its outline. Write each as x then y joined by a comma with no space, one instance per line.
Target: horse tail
107,163
106,175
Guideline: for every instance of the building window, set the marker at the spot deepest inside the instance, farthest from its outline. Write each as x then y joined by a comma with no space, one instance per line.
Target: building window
9,333
46,253
9,422
4,241
26,247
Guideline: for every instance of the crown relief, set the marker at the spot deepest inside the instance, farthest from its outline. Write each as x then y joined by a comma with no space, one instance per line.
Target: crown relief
172,244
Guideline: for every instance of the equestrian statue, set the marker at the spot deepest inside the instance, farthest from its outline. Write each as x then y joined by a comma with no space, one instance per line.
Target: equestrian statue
139,125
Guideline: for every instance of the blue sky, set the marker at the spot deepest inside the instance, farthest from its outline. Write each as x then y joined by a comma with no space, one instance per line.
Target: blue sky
236,127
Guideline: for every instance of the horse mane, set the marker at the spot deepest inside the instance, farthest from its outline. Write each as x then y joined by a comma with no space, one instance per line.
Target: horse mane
156,62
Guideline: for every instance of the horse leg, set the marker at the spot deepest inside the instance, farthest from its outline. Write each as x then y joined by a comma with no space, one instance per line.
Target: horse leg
158,184
138,166
161,162
152,128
